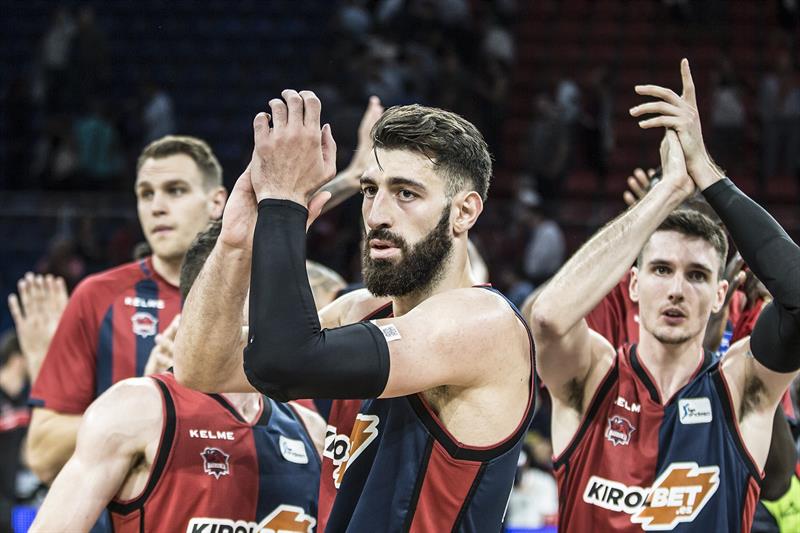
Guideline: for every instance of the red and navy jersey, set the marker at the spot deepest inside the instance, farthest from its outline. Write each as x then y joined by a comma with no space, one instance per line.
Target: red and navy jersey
635,464
105,335
214,469
397,468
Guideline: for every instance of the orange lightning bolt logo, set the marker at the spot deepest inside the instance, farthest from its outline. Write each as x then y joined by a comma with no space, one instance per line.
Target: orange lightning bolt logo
678,495
365,430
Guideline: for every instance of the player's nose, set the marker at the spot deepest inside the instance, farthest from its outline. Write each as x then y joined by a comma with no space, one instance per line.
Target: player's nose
380,211
159,205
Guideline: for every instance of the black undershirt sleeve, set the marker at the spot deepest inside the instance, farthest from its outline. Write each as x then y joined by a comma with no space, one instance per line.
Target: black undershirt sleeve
288,355
775,259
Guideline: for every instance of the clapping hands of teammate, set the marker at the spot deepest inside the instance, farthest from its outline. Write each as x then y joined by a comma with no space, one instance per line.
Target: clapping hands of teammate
363,155
295,157
680,114
161,356
638,185
673,165
36,312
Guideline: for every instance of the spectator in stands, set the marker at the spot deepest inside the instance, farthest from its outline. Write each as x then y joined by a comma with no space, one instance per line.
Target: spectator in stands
779,111
19,108
544,252
158,116
14,418
728,118
597,122
90,61
99,152
54,54
548,148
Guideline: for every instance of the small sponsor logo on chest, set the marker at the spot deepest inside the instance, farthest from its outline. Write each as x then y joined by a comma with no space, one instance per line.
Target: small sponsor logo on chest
694,410
146,303
633,407
210,434
293,450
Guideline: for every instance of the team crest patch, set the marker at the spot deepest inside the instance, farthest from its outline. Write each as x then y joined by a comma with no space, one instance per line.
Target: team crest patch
144,324
215,462
619,431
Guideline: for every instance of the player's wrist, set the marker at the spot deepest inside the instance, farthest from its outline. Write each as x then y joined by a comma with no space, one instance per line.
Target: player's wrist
705,172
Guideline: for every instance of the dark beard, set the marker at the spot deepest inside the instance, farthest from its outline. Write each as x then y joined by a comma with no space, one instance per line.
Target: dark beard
419,267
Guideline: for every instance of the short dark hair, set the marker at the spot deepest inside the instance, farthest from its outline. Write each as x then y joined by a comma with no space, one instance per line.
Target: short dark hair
197,254
452,143
197,149
693,223
9,345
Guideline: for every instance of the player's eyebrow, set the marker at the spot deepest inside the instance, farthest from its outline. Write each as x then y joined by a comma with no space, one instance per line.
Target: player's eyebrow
700,266
394,181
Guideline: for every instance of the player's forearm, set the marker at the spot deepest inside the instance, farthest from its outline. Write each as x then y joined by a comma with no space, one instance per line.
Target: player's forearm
764,245
71,504
51,441
599,264
775,259
342,187
211,321
288,355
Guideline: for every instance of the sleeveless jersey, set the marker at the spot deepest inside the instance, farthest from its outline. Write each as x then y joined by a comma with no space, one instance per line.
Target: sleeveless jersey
105,335
400,469
214,472
636,465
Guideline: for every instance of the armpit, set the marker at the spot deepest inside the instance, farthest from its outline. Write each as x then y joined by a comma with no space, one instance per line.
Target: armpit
753,396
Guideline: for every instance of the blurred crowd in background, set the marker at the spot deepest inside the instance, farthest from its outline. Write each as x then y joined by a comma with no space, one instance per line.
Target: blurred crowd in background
87,85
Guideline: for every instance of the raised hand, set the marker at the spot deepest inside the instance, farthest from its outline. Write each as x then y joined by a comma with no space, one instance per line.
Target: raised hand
678,113
161,356
36,312
638,185
294,158
363,155
673,165
239,216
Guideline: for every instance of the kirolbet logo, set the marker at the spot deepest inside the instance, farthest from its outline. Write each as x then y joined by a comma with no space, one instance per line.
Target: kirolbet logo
678,495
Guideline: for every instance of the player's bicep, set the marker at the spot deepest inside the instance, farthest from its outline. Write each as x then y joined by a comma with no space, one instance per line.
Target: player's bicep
104,453
448,344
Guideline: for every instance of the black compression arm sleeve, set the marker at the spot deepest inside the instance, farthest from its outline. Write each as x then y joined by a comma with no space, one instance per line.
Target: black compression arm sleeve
775,259
288,356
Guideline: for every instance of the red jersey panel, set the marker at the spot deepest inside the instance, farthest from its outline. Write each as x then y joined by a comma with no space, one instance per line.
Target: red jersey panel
105,335
616,317
216,472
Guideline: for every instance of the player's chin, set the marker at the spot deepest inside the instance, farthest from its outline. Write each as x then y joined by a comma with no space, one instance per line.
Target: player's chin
672,335
169,250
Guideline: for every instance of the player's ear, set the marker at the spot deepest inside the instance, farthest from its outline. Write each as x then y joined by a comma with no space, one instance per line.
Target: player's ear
468,206
722,291
633,285
216,202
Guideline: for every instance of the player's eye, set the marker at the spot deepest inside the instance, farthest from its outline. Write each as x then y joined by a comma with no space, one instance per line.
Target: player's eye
145,194
661,270
369,191
697,276
177,191
405,194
